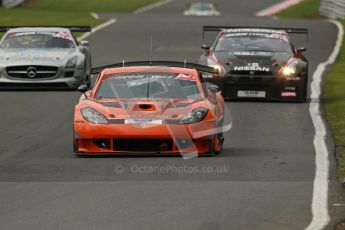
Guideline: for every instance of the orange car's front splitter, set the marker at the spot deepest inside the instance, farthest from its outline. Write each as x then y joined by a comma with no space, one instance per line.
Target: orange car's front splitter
114,146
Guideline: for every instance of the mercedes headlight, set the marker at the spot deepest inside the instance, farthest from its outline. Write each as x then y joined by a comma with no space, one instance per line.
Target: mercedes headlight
195,116
72,62
91,115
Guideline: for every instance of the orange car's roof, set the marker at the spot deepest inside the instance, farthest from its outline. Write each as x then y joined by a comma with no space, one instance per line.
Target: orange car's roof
150,69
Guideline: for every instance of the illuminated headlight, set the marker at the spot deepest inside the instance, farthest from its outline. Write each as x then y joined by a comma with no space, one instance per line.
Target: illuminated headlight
91,115
287,71
72,62
195,116
215,65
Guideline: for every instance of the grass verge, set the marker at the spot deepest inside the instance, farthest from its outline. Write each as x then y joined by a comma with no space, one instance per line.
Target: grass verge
22,16
65,12
334,85
306,9
90,5
334,106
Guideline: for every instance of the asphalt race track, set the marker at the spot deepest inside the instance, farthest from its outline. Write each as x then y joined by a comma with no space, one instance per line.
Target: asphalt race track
262,180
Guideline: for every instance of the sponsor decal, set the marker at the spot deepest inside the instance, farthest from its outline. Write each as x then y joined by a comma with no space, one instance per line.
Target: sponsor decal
31,33
250,53
118,77
144,121
254,30
140,76
247,34
30,57
186,77
207,76
161,77
288,94
63,35
293,78
290,88
267,34
251,93
279,36
252,67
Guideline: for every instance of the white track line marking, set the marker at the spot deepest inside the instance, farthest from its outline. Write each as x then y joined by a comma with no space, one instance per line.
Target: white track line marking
152,6
320,188
338,205
269,11
94,15
99,27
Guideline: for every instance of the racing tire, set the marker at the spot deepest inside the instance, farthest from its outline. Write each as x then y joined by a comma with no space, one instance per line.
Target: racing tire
303,93
219,140
212,151
304,90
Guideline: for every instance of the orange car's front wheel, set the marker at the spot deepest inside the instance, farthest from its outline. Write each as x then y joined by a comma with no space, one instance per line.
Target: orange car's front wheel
218,143
215,145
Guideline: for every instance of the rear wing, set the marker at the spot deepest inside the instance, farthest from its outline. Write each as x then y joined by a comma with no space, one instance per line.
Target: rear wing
71,28
289,30
200,68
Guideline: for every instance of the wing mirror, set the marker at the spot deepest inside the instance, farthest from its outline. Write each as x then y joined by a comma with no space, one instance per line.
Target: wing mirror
83,89
301,50
84,43
213,88
205,47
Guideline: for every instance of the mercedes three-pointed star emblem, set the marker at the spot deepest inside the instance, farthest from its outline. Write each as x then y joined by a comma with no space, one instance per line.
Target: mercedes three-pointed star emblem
31,72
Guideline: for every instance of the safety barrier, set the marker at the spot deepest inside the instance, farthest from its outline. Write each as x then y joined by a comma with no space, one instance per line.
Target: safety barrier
333,8
10,3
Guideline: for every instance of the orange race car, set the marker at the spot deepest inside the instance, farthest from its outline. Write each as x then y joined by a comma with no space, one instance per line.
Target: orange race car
150,108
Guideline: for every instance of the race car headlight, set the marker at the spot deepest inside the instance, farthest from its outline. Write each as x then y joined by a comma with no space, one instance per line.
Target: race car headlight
91,115
215,65
195,116
288,71
72,62
218,68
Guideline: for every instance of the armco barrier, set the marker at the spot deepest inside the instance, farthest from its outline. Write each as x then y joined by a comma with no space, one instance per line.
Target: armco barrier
10,3
332,8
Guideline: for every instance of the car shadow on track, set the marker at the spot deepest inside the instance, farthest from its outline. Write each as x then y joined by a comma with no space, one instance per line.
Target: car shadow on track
227,153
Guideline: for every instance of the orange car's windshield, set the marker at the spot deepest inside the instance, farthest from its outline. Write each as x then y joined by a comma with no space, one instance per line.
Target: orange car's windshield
149,85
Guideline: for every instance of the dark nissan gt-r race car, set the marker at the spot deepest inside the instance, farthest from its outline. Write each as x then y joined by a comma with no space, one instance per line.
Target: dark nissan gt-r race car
257,63
148,108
